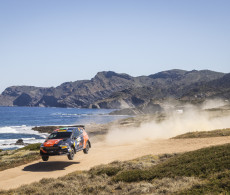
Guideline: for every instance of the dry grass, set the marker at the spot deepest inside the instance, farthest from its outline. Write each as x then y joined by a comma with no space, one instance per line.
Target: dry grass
203,134
99,180
14,158
85,183
204,171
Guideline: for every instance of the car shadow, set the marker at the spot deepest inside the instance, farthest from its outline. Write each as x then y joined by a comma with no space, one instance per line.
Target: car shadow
48,166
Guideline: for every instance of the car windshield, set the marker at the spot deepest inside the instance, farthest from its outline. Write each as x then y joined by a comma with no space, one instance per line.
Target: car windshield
60,135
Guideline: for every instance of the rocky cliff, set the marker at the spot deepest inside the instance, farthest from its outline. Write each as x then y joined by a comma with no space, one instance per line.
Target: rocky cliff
112,90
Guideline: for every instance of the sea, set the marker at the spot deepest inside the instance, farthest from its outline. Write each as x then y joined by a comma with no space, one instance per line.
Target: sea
17,122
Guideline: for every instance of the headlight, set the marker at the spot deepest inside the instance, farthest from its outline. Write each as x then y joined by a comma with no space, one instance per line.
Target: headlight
63,147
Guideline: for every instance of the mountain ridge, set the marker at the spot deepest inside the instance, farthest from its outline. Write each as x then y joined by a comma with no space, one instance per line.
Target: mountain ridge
108,89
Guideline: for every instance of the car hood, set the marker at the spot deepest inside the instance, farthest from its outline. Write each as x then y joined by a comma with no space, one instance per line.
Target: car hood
51,142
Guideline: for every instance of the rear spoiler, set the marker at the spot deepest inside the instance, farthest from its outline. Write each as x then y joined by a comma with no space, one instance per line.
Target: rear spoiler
82,126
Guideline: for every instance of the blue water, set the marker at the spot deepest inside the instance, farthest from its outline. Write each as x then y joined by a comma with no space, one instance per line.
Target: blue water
35,116
17,122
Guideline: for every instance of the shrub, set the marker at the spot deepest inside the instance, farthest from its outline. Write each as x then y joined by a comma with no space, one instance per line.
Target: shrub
108,170
216,184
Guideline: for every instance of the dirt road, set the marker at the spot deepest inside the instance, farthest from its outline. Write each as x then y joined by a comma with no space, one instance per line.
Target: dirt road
100,153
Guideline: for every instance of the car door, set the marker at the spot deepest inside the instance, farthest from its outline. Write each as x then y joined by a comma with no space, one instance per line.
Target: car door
79,139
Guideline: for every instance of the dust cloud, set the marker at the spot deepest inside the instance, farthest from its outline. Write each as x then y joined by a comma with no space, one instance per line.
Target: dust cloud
189,119
215,103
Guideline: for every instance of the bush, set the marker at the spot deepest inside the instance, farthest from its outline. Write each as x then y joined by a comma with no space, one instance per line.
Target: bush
108,170
216,184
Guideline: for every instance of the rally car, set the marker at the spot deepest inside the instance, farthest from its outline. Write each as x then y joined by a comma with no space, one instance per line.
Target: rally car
65,141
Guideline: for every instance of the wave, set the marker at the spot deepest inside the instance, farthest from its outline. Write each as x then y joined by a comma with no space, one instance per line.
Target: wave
10,147
80,114
20,130
9,144
8,130
10,134
25,140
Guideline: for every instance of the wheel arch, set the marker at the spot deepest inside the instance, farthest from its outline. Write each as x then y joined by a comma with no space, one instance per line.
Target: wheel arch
89,143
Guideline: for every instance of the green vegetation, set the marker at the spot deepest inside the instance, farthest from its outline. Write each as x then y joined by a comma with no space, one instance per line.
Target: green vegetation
200,163
108,170
204,171
14,158
215,184
203,134
31,147
117,166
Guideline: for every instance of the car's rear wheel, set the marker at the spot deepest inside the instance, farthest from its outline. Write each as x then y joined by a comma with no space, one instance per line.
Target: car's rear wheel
45,158
71,154
86,150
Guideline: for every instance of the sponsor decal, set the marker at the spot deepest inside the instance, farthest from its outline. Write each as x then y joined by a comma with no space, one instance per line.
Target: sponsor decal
78,139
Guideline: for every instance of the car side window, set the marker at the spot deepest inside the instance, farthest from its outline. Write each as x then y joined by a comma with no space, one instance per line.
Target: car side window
77,133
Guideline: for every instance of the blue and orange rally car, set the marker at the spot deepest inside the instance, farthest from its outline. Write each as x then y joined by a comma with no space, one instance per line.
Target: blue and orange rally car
65,141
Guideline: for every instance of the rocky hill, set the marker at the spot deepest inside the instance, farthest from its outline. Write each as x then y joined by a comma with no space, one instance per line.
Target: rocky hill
175,84
112,90
218,88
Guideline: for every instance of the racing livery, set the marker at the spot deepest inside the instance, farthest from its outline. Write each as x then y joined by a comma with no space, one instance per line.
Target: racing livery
65,141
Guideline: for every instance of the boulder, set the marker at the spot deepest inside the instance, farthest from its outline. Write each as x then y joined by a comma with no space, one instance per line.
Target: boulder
19,142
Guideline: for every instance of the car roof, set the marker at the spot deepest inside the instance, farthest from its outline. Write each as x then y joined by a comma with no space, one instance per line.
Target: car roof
68,129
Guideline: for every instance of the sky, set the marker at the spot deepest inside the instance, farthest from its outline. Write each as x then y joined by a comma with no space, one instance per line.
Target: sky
45,43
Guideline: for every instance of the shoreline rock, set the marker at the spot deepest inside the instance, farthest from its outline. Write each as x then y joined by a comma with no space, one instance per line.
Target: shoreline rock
19,142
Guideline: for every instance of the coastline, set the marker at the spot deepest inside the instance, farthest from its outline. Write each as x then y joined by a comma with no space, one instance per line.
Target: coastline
19,122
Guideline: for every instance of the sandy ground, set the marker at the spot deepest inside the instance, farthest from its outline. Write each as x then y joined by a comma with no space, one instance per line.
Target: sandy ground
100,153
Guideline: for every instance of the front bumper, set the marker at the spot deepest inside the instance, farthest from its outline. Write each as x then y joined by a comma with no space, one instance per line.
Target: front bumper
53,151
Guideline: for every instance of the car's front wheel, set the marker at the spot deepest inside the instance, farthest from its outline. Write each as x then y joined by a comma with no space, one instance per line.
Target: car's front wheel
71,154
45,158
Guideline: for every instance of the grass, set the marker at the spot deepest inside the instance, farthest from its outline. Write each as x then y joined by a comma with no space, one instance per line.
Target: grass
200,163
117,166
14,158
204,171
215,184
31,147
204,134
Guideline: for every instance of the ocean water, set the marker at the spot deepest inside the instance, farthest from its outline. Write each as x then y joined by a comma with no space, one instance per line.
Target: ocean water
17,122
